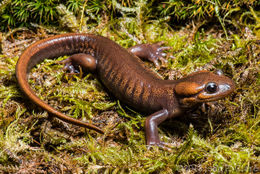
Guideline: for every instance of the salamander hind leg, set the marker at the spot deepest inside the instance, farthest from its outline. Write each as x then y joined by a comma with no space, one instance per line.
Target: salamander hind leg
86,61
151,52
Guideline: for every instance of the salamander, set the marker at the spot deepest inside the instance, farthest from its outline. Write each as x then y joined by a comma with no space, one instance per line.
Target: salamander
125,76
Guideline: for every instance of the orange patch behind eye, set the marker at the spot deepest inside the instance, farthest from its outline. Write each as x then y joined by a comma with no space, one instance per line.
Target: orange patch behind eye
187,88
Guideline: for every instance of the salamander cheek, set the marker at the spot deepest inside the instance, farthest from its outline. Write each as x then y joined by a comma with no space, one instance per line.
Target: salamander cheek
205,95
188,101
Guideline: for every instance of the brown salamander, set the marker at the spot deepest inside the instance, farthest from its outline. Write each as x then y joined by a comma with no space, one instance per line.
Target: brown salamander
126,77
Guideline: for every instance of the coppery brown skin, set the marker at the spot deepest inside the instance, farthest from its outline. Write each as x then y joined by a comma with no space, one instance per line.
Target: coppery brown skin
126,77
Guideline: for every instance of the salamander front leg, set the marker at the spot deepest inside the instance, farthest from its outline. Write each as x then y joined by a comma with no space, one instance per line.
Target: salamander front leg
86,61
151,127
151,52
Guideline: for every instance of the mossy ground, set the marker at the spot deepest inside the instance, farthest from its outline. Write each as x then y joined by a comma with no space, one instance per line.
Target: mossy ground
223,137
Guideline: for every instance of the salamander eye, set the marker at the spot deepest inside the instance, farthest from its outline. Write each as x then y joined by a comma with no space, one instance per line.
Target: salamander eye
211,87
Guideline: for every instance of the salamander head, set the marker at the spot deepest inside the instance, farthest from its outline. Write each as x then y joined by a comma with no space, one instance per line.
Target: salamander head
203,86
